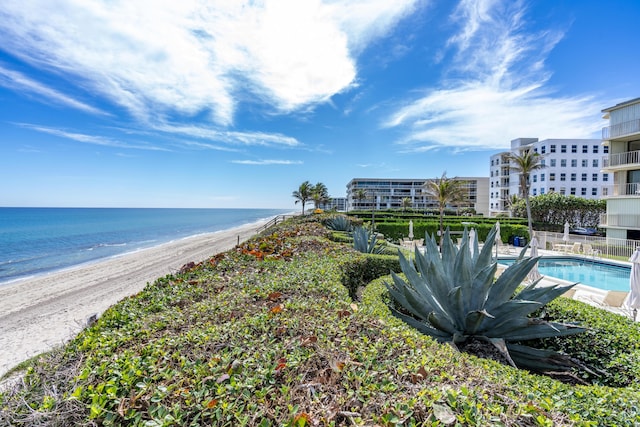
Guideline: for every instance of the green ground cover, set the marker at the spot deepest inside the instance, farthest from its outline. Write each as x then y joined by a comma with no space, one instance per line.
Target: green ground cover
293,329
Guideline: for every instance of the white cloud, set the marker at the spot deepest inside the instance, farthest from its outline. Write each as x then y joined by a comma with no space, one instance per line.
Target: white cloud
182,58
497,87
18,82
231,137
267,162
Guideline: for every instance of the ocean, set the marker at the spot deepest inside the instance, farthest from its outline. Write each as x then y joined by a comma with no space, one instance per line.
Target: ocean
36,241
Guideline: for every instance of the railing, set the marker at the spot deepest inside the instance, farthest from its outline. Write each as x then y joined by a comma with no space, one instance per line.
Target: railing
623,220
605,246
630,189
621,129
621,159
275,220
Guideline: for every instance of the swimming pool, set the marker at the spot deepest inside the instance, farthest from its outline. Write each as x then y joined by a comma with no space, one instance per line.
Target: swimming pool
596,273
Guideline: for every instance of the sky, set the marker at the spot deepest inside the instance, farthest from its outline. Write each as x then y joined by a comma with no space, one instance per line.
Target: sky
233,104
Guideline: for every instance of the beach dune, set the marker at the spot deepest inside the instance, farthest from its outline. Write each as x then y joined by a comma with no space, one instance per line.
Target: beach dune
40,313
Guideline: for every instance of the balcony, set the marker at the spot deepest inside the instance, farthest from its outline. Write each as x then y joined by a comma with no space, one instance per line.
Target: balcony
631,189
620,220
626,160
621,130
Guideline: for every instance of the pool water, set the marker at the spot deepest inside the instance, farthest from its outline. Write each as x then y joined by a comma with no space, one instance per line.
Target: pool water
595,273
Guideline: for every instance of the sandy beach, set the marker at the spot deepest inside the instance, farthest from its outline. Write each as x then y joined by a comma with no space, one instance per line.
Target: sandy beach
40,313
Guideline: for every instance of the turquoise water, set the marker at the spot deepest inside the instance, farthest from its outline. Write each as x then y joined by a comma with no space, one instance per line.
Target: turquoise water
35,241
595,273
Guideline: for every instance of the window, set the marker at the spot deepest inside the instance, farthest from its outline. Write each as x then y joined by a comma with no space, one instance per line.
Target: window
552,176
605,177
574,148
535,178
543,162
553,163
491,185
552,149
594,177
573,191
563,148
563,163
595,149
573,177
585,149
585,163
584,176
605,149
543,149
594,191
541,177
574,163
542,191
563,191
563,177
595,163
583,191
535,150
552,189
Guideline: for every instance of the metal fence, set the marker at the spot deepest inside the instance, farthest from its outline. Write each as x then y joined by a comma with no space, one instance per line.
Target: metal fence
603,246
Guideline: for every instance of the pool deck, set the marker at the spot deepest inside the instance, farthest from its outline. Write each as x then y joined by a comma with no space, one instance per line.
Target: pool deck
607,300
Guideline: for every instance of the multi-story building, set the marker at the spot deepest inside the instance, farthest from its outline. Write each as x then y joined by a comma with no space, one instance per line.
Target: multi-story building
622,138
388,193
334,204
571,167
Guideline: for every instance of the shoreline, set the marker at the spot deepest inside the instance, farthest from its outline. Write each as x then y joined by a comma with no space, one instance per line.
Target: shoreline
41,312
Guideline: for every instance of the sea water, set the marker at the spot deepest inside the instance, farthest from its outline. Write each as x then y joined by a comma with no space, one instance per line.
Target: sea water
36,241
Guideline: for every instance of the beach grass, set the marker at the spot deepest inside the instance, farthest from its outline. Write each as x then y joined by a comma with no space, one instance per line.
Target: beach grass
292,329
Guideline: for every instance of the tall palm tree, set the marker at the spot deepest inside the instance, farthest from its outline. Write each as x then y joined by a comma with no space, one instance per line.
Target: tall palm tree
446,191
319,194
524,163
303,194
360,195
406,203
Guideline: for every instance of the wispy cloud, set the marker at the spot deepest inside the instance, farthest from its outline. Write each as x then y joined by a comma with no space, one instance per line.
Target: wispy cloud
181,59
496,89
89,139
267,162
230,137
18,82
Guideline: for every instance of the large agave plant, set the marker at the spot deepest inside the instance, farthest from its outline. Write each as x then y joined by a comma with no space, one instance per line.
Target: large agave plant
365,242
452,296
339,223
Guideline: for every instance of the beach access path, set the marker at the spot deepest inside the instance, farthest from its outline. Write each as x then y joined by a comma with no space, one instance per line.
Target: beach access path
43,312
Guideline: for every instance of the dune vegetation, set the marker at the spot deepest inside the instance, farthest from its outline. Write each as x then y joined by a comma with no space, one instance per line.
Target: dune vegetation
294,328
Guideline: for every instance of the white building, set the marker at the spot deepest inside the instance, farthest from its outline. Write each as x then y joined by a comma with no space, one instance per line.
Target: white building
572,167
389,193
622,138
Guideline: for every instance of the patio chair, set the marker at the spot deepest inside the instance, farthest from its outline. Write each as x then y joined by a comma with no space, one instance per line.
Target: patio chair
575,249
587,249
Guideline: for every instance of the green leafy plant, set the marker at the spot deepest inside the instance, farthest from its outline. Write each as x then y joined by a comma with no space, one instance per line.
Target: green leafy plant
452,296
365,242
339,223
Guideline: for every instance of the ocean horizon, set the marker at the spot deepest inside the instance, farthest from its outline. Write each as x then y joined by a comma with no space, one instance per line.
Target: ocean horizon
36,241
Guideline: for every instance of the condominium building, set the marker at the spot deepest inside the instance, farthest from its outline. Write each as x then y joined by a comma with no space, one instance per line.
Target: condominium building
388,193
622,138
571,167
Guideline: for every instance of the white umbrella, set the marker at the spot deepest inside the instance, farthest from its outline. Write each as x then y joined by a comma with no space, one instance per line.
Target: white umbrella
498,238
472,240
411,229
633,299
534,274
565,236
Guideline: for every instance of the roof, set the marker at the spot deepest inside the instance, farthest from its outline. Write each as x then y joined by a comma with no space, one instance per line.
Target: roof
622,104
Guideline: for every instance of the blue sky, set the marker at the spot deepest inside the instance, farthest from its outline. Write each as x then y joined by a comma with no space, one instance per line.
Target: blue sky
197,103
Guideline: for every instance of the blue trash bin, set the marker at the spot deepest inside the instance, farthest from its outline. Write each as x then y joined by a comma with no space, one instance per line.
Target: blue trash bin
516,241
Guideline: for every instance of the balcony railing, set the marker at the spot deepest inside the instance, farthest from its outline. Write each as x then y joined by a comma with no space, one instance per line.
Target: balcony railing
621,129
621,220
622,159
630,189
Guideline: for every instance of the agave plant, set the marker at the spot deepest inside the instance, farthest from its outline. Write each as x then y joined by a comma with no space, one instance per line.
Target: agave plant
452,296
365,242
339,223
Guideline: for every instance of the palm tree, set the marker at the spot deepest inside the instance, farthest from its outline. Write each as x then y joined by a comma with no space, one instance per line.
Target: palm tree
446,191
319,194
303,194
360,195
406,203
525,163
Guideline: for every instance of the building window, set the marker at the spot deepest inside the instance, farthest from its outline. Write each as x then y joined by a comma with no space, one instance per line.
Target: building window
552,176
594,191
563,163
541,177
573,177
594,177
535,149
552,149
553,163
543,162
605,177
573,191
605,149
543,149
585,149
585,163
574,163
584,176
563,177
583,191
535,178
595,149
542,190
563,148
595,163
574,148
535,191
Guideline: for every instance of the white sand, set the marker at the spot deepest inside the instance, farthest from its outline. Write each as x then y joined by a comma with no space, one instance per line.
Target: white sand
40,313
